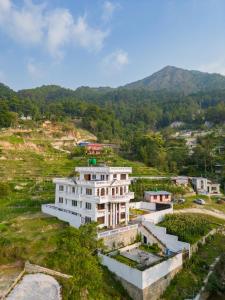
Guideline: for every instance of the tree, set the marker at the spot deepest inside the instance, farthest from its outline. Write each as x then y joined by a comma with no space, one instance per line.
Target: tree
76,254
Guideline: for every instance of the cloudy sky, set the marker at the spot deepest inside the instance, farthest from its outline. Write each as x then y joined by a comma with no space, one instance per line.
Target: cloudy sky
107,43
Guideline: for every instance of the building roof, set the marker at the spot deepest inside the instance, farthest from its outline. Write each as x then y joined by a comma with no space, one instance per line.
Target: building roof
157,193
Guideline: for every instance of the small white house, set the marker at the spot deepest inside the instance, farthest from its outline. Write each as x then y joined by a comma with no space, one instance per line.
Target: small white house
99,194
205,186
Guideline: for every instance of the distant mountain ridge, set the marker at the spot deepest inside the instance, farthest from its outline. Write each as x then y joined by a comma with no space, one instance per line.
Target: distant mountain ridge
169,79
173,79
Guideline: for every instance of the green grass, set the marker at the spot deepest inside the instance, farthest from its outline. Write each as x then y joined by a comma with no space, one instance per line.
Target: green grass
150,248
188,227
136,211
126,261
187,283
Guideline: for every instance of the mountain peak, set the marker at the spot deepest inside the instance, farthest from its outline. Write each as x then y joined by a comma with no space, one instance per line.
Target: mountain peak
174,79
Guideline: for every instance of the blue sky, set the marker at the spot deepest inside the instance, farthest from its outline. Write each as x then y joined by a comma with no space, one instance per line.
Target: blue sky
107,43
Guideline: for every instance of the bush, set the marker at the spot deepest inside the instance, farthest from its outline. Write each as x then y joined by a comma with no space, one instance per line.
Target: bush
4,189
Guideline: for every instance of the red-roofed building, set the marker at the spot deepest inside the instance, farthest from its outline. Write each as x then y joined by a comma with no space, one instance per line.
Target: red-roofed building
95,149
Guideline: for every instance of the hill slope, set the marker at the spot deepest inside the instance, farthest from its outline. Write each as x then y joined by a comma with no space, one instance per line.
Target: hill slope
174,79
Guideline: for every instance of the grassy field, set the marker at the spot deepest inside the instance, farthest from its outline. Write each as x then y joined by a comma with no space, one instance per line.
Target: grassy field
187,283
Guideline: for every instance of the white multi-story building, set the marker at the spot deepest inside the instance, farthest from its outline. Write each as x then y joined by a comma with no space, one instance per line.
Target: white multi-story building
99,194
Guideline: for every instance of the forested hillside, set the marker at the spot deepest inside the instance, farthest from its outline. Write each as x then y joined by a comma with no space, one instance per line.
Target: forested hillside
138,119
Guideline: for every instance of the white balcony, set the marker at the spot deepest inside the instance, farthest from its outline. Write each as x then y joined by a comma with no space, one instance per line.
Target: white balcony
96,169
101,183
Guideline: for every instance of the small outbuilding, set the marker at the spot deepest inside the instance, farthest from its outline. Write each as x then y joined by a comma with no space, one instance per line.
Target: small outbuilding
157,196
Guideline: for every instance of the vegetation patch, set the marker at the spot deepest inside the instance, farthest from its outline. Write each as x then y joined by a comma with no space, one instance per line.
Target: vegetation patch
188,227
187,283
154,248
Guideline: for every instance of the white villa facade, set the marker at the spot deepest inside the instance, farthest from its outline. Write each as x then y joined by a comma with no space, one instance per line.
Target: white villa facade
99,193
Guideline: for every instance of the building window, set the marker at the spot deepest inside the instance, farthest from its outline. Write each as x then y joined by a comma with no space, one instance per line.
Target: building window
93,177
155,197
101,220
74,203
73,189
117,190
102,192
89,192
122,215
103,177
101,206
87,177
61,188
87,220
88,205
114,176
60,199
107,177
166,196
121,190
97,192
123,176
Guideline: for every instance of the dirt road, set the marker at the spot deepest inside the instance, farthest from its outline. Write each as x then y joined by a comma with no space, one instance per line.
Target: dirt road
213,213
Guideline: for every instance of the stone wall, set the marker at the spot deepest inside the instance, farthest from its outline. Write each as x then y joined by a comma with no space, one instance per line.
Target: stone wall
121,239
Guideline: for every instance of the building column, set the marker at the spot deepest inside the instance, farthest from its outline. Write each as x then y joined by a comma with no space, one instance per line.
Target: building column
126,213
111,224
107,214
119,212
113,215
116,221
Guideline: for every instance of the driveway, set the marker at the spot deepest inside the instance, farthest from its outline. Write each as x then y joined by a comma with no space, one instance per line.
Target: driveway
213,213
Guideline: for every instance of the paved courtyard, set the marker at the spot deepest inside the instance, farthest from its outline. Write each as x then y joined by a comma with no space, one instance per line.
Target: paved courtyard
142,257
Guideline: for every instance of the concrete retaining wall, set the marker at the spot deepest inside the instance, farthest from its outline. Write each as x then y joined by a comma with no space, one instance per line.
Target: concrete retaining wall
121,239
73,219
139,283
158,216
143,205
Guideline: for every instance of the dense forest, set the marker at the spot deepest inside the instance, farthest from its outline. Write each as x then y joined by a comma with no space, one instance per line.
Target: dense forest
138,119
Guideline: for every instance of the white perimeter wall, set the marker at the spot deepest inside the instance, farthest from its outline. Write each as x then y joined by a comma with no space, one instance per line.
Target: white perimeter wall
154,216
143,205
74,220
157,216
142,279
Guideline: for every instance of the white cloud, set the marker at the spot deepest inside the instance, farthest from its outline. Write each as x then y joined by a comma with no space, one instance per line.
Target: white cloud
34,24
116,60
108,10
214,67
87,37
34,70
60,23
24,25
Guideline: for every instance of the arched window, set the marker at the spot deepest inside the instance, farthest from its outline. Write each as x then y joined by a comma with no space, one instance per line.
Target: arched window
102,192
